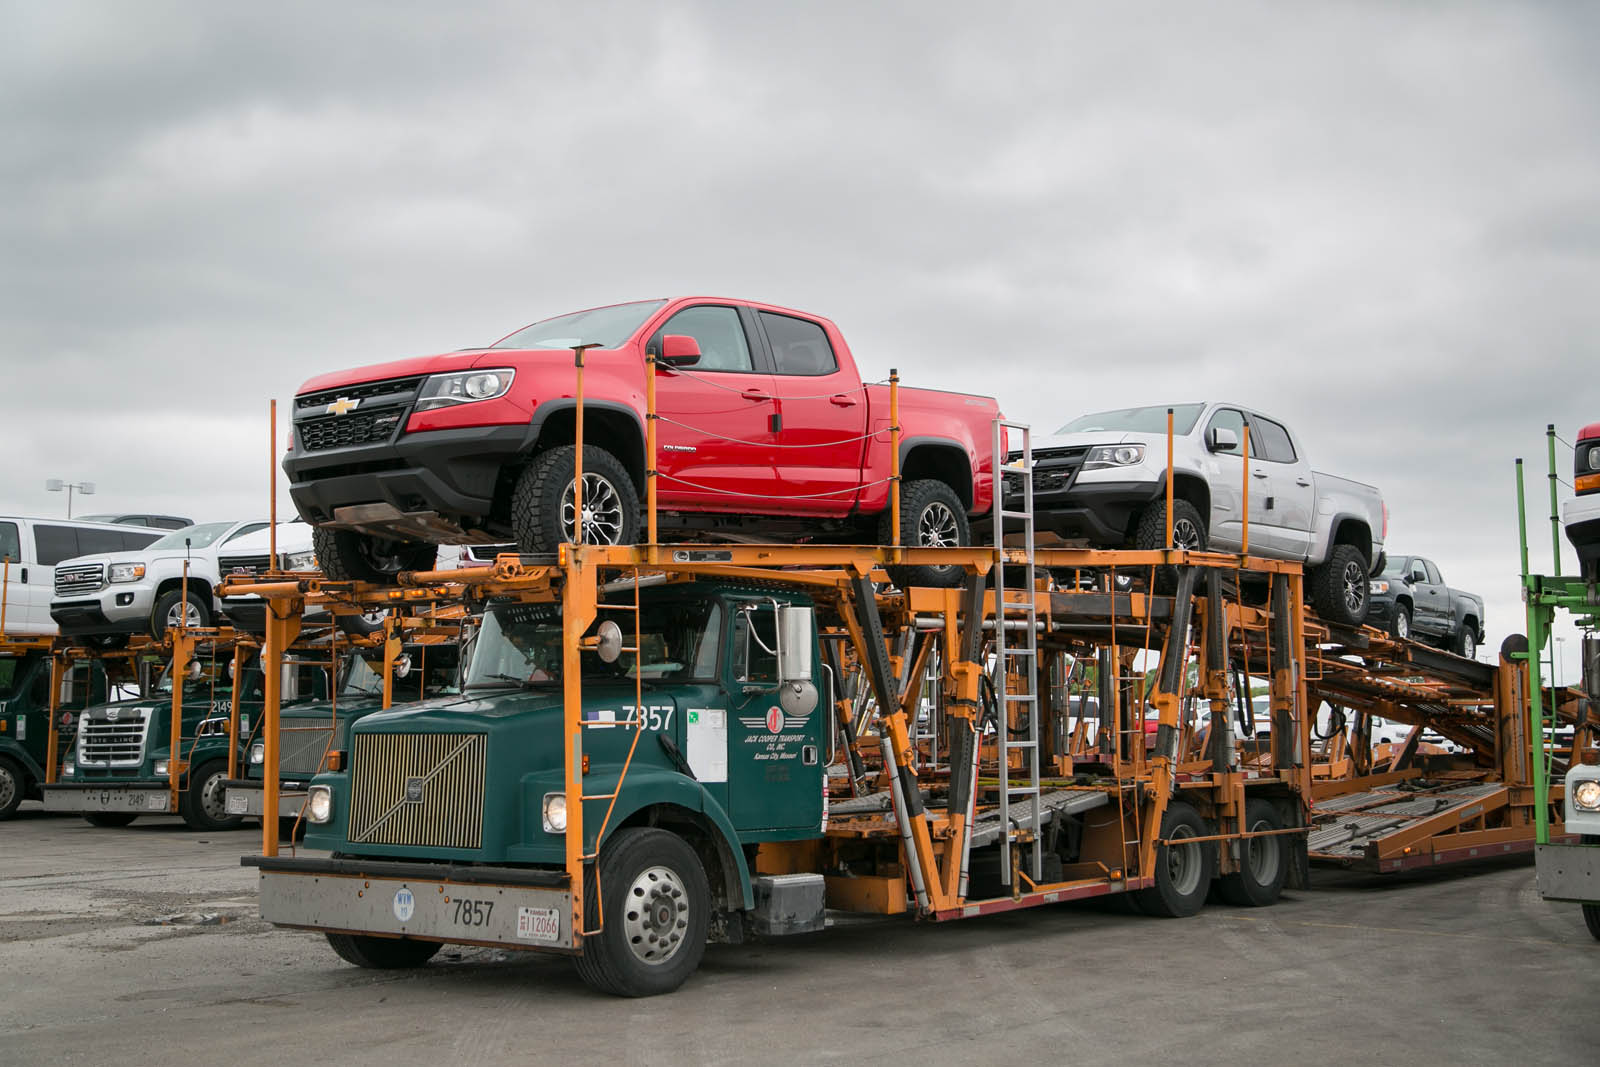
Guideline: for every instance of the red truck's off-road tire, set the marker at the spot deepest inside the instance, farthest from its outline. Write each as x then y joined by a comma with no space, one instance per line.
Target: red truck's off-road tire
1264,861
1183,870
348,556
931,516
657,910
383,953
1339,589
541,508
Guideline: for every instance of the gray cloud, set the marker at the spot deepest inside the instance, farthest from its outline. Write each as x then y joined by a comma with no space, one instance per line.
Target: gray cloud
1375,221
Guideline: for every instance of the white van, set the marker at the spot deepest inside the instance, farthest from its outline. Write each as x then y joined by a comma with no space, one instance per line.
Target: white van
35,546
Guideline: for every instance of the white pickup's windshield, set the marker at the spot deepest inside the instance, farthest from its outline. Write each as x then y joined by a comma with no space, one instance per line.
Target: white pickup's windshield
607,327
520,644
198,536
1137,420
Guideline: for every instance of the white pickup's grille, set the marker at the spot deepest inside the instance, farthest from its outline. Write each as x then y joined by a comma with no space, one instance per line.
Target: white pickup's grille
417,789
103,743
80,578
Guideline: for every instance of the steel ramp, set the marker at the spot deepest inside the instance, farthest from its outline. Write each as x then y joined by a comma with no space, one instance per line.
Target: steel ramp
986,828
1360,827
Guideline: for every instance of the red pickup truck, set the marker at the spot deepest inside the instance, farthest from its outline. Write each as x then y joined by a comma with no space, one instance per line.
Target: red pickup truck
764,429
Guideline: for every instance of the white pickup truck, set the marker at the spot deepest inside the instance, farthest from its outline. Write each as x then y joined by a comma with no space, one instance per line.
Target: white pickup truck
1101,479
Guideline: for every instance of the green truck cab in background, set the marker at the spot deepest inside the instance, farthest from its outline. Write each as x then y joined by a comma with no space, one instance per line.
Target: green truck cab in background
449,824
120,764
25,716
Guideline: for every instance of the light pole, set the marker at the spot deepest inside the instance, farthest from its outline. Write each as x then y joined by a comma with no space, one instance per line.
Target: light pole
55,485
1560,641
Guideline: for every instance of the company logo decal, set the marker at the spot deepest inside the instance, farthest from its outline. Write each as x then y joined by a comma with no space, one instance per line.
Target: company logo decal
413,790
404,904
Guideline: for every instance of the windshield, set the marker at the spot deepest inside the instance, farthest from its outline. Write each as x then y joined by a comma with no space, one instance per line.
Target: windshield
1397,565
198,536
520,644
434,676
10,670
607,327
1138,420
360,679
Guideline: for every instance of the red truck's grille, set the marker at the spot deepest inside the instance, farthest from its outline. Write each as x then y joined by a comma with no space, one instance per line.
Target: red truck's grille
365,414
341,431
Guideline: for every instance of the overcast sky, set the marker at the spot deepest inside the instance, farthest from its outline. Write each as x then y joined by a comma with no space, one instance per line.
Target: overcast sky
1379,222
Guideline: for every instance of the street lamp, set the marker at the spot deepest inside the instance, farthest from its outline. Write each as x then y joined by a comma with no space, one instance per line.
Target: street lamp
1559,657
55,485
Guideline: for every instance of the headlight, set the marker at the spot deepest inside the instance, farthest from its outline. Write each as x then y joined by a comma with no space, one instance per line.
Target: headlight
1102,456
1379,587
1586,795
300,561
258,752
68,768
162,767
319,804
448,390
555,813
127,572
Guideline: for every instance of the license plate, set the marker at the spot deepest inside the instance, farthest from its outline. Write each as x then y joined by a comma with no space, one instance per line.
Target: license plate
156,802
538,924
236,804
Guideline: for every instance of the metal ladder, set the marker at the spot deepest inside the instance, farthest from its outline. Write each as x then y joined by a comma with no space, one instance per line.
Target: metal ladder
1016,644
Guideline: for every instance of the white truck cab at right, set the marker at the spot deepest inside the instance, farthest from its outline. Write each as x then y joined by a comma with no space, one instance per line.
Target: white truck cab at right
1101,479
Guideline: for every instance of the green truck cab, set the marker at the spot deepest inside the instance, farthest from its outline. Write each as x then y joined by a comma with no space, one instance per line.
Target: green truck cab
315,734
121,763
450,822
25,720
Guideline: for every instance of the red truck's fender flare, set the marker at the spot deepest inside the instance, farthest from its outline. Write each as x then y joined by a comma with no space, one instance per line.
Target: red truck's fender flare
595,413
963,459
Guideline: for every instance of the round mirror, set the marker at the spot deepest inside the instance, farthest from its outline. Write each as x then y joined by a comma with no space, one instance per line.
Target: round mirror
609,644
402,665
195,669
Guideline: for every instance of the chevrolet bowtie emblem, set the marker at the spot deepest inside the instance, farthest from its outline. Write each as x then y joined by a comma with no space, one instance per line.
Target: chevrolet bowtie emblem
342,405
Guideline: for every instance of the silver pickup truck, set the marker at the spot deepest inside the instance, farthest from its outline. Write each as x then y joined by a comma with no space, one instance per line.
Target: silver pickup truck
1101,479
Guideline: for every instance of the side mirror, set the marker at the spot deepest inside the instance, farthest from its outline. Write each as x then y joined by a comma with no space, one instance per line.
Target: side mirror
402,665
679,350
797,694
1221,439
608,643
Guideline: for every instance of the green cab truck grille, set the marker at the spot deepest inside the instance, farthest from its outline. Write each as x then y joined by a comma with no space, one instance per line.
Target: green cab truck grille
417,789
301,746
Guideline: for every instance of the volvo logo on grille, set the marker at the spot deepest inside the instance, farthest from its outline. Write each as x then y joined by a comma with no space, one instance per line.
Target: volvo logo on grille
343,405
413,790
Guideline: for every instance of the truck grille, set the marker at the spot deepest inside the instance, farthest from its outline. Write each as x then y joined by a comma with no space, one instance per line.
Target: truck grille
1053,472
244,565
80,578
417,789
301,744
381,407
104,743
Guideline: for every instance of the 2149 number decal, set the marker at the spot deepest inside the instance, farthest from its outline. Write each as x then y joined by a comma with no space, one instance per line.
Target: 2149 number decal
473,912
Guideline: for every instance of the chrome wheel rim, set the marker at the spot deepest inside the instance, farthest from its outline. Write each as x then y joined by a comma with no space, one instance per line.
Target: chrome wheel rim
1183,862
212,801
1262,854
602,512
1186,536
1402,625
937,527
183,613
8,788
1469,647
655,915
1355,587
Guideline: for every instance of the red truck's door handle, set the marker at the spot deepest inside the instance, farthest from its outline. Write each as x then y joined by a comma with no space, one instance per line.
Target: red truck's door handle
842,400
751,394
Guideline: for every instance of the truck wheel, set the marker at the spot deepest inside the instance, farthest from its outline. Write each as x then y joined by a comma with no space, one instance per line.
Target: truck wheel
348,556
1402,622
1183,871
12,785
931,516
203,805
1265,861
171,610
657,909
1465,644
368,622
1591,919
109,818
541,508
383,953
1339,587
1188,532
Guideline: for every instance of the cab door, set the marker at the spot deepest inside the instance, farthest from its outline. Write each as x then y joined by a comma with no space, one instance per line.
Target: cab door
822,417
1225,475
18,593
774,759
714,436
1283,478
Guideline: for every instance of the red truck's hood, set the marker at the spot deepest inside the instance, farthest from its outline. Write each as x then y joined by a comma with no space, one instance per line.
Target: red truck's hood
439,364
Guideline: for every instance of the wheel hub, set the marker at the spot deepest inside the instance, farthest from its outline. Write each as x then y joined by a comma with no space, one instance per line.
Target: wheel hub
1183,862
655,915
8,788
1355,587
937,528
601,516
1262,854
212,801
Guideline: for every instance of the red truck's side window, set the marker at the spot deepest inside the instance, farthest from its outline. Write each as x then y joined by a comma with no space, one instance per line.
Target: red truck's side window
798,347
722,342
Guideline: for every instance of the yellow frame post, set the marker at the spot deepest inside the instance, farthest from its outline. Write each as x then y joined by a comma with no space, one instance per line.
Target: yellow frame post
58,671
894,463
578,611
654,552
283,626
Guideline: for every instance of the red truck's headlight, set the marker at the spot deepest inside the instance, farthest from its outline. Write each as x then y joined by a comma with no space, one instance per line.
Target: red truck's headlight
468,387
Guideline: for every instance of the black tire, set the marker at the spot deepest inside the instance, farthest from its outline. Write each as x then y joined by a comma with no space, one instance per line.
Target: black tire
165,611
361,625
292,828
1465,642
203,804
109,818
544,495
347,556
13,784
657,868
931,516
383,953
1183,872
1188,532
1265,861
106,642
1401,627
1339,589
1591,919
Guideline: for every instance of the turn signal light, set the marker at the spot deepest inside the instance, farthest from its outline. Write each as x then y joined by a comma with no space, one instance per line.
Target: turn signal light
335,760
1587,483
